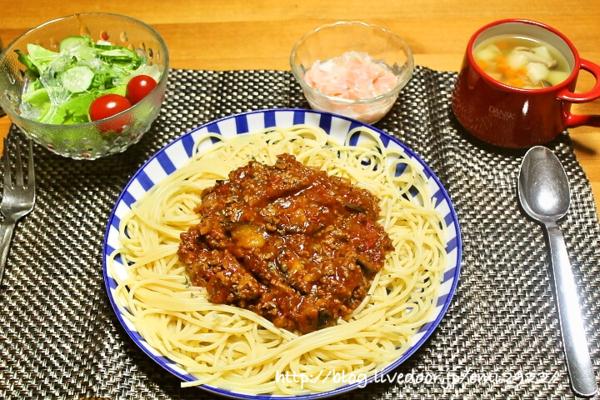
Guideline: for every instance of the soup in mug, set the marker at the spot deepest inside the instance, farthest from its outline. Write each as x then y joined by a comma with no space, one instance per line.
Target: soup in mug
521,61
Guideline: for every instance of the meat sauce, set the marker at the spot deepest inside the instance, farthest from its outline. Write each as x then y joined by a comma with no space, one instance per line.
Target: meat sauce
288,242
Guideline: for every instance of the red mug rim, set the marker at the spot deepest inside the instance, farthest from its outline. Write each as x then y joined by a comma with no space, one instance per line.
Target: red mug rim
494,82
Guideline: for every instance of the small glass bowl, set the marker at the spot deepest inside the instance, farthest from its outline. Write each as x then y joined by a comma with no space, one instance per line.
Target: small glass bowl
96,139
334,40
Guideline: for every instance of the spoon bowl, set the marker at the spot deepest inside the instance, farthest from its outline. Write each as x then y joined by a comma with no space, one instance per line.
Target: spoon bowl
543,186
544,194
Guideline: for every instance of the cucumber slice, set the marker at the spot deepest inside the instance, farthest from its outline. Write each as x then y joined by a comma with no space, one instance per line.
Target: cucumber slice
120,53
73,42
36,97
77,79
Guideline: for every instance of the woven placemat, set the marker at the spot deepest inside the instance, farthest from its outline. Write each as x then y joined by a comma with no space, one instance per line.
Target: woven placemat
60,339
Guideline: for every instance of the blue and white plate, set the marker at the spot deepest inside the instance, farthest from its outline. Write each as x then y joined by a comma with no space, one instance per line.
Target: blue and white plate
175,155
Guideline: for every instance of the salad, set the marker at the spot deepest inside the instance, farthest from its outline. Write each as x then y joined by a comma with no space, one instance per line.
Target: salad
84,81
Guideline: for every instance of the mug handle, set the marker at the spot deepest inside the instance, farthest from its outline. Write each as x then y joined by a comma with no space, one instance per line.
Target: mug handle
573,120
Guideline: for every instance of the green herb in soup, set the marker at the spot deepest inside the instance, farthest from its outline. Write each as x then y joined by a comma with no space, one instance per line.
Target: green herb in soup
521,62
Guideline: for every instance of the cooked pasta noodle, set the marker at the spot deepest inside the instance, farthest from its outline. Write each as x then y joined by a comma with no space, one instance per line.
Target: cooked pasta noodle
237,350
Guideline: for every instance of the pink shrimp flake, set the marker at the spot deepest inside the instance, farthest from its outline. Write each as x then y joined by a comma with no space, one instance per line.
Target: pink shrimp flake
352,75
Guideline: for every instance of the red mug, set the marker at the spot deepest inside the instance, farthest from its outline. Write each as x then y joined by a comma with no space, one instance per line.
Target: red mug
512,117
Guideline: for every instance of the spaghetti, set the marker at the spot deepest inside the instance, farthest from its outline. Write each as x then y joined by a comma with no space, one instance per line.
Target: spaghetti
237,350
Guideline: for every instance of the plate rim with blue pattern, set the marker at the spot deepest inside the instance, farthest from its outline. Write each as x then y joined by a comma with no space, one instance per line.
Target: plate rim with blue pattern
177,152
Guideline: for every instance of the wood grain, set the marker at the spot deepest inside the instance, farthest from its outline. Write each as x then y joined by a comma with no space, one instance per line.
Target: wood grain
238,34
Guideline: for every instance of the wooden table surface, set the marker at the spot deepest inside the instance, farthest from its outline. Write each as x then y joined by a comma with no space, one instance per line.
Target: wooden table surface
245,34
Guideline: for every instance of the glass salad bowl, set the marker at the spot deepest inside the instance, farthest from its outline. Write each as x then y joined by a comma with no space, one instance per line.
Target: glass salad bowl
50,100
352,68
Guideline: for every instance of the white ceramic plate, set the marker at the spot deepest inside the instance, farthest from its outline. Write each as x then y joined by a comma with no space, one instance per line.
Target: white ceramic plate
174,155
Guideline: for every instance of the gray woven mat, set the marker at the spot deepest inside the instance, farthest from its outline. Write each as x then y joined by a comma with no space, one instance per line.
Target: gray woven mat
59,337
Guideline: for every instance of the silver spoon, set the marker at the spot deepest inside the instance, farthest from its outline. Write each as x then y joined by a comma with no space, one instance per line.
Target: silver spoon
545,195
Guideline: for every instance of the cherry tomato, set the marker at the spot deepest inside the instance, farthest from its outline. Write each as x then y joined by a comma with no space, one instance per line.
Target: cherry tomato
139,87
108,105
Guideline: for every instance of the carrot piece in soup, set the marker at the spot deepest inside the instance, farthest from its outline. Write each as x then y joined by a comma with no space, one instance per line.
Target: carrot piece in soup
510,73
502,67
502,45
483,65
516,83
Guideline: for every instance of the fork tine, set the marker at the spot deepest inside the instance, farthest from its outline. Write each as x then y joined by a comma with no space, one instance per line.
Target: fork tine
19,165
6,160
31,172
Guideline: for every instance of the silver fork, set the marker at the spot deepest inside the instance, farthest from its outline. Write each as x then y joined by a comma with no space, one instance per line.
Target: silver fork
18,197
